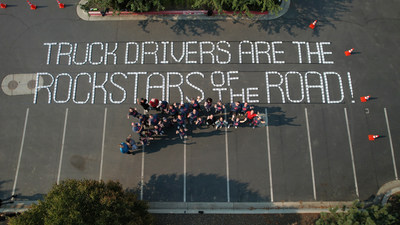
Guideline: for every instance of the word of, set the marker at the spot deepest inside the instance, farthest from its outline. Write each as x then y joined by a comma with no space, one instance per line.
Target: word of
291,87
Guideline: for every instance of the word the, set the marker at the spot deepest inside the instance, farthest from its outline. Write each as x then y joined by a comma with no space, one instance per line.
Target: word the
271,87
186,52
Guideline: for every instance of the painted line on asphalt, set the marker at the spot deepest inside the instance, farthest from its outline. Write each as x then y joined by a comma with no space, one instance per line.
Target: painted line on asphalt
311,155
227,162
351,152
391,144
102,144
142,174
62,146
20,152
184,169
269,156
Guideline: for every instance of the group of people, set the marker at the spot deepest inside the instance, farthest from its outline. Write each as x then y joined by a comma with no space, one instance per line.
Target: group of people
183,116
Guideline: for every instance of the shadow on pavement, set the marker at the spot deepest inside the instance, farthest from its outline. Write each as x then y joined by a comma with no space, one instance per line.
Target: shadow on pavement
277,117
302,13
200,188
4,193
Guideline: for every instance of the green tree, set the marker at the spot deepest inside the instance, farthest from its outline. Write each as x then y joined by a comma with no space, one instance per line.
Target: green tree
358,213
87,202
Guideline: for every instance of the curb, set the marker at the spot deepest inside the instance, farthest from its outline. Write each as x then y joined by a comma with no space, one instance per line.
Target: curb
17,206
243,207
386,191
175,15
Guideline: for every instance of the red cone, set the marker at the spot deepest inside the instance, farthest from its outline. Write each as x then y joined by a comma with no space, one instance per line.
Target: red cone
348,52
33,7
3,6
60,5
373,137
364,98
312,25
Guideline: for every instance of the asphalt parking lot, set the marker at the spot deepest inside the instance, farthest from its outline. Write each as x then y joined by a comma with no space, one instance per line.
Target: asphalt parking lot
314,146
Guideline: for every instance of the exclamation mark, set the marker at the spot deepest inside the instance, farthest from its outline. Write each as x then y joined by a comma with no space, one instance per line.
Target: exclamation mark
351,87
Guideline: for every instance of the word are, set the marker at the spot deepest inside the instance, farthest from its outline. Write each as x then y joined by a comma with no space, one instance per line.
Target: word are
186,52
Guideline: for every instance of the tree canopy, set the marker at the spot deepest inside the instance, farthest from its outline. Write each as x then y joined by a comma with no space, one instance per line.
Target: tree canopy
359,213
87,202
240,6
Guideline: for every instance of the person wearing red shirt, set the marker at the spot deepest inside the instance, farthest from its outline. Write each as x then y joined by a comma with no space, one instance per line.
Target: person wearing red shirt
250,115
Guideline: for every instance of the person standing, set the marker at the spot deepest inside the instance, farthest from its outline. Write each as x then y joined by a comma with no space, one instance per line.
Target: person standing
144,104
219,107
208,105
133,112
154,103
221,123
128,146
182,132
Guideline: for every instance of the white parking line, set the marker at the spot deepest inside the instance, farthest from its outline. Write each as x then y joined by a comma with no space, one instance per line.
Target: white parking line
184,169
20,152
142,174
391,144
311,155
269,157
62,146
102,144
227,162
351,152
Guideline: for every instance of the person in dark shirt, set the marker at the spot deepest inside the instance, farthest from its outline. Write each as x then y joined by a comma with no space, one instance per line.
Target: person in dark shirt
193,116
195,104
210,120
172,111
180,121
219,107
143,120
144,104
182,133
208,105
235,109
163,107
153,120
138,128
246,107
199,122
133,112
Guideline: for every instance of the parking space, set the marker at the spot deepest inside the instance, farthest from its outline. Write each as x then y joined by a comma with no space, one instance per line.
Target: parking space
41,152
248,165
13,118
164,168
290,156
394,126
124,168
330,148
206,176
83,143
373,159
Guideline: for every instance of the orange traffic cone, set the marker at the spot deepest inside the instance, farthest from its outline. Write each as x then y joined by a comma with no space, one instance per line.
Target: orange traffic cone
364,98
60,5
312,25
3,6
373,137
33,7
348,52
